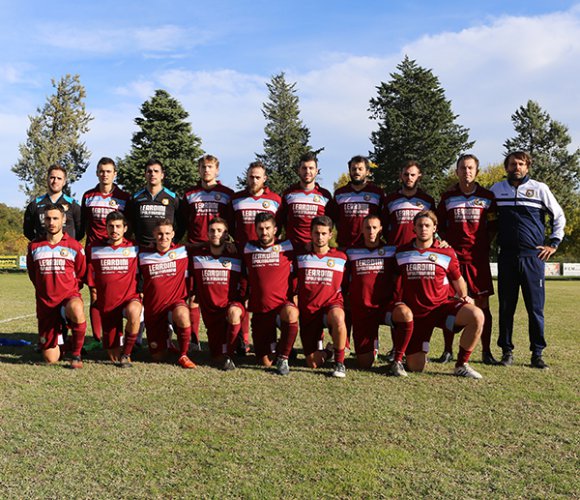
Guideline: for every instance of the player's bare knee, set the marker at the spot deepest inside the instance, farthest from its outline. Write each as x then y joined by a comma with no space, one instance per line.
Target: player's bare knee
289,315
416,362
365,360
51,356
234,315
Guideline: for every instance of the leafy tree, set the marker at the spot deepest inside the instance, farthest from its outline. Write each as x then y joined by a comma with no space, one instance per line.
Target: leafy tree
12,241
286,136
54,136
163,134
343,180
415,123
548,143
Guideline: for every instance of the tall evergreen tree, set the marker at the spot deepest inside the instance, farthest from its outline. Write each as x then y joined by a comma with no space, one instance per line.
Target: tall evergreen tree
54,136
415,123
286,136
548,143
163,134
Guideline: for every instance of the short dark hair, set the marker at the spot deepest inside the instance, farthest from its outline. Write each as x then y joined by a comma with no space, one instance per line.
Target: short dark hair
115,215
372,216
518,155
55,206
264,217
105,160
218,220
359,159
322,220
56,166
467,156
425,213
163,222
256,164
154,161
310,156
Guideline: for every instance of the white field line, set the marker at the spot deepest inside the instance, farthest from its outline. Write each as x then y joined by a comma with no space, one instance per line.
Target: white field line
8,320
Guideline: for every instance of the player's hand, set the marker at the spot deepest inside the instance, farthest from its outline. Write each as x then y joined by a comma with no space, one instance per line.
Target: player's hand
230,247
467,300
444,244
545,252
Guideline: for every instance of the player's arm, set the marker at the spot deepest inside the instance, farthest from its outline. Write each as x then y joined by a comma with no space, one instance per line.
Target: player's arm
179,224
557,223
80,266
29,223
30,264
77,221
460,288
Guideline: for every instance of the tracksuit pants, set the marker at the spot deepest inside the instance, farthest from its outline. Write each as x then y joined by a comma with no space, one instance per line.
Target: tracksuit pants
527,272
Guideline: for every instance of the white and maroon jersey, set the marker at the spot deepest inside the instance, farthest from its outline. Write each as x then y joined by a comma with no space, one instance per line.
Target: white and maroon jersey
298,209
164,277
201,205
319,279
424,276
350,207
216,281
113,270
56,271
464,222
96,206
371,275
398,215
270,274
245,208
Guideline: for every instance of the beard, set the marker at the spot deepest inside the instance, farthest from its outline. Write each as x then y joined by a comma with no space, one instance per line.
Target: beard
357,182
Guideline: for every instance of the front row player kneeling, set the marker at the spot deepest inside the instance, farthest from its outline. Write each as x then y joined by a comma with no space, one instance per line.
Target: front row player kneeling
424,271
56,266
164,270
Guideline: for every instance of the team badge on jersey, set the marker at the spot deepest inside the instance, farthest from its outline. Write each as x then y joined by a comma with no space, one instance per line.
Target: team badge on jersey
165,201
367,197
530,193
265,204
63,252
330,263
420,205
433,257
172,255
382,251
226,263
477,202
217,197
126,252
113,203
316,198
276,248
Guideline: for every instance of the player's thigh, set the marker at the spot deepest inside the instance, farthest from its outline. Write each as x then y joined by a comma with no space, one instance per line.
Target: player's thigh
133,311
469,314
335,317
180,316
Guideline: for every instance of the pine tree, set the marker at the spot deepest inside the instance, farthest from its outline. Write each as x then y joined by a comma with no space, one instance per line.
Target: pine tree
286,136
164,135
54,136
547,141
415,123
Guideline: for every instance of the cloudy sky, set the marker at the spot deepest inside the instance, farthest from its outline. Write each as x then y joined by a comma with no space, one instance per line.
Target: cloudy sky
215,57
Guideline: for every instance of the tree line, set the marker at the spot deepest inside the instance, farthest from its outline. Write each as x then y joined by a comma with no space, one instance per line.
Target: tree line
414,120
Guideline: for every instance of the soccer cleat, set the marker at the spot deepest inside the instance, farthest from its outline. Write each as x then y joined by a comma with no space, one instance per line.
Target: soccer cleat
282,367
446,357
538,362
339,370
228,365
194,347
243,349
125,362
76,363
507,359
488,359
396,369
391,356
329,352
466,371
185,362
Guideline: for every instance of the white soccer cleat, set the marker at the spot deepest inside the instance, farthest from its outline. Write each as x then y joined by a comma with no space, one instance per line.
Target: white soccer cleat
466,371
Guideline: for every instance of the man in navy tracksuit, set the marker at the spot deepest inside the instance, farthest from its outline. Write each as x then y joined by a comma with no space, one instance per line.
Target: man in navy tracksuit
523,205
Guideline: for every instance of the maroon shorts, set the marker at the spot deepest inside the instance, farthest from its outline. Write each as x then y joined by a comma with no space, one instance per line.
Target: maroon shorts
112,322
216,325
157,327
264,326
52,322
442,317
312,327
477,275
365,326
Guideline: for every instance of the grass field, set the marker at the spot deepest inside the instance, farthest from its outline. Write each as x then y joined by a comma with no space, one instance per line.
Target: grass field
158,431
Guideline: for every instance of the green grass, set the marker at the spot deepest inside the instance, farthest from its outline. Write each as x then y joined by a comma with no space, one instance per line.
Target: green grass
158,431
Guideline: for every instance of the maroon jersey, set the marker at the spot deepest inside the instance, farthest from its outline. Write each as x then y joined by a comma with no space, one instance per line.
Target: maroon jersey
96,206
424,276
371,275
398,215
351,207
245,208
463,222
216,281
57,271
270,274
164,278
201,205
298,209
112,270
319,279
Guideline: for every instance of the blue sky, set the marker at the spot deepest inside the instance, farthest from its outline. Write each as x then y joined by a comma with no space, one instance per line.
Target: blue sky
215,57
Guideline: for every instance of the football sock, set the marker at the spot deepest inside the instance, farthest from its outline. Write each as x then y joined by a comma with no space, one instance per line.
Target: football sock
232,333
339,355
129,343
183,338
448,338
246,327
194,316
462,356
403,332
96,323
289,332
78,337
486,332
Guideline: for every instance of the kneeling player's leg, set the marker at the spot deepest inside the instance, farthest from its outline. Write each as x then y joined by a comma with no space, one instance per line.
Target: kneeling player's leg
182,323
365,333
133,314
112,326
49,334
156,331
471,318
418,347
288,330
234,314
95,315
75,314
264,336
337,327
402,319
311,330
